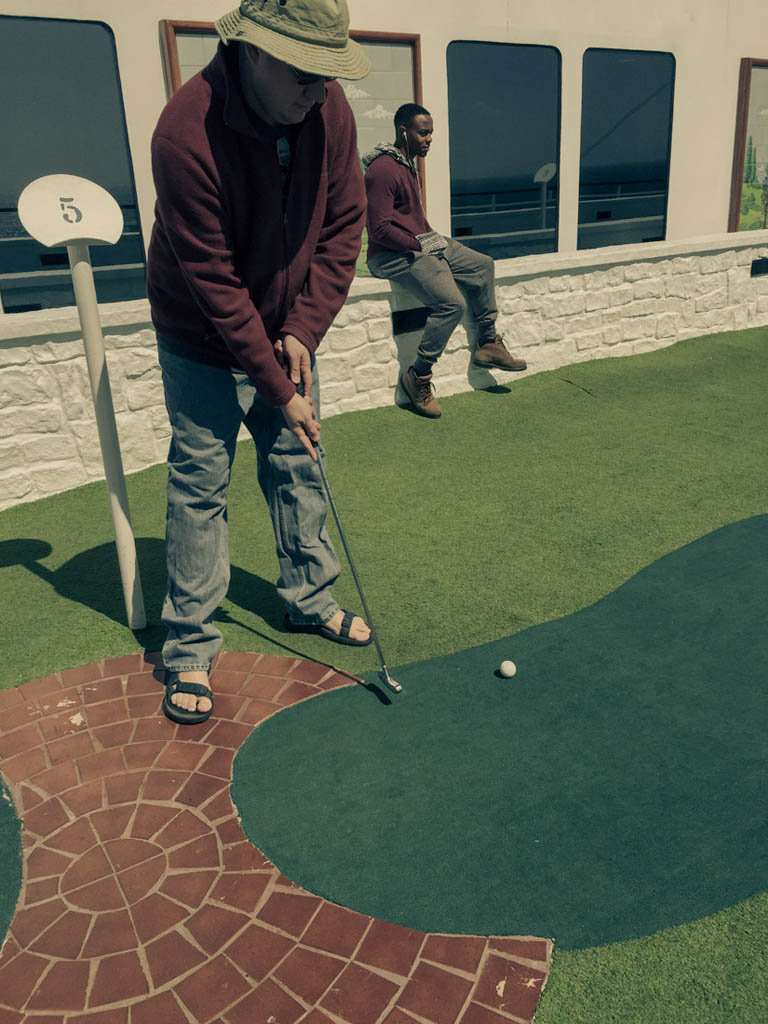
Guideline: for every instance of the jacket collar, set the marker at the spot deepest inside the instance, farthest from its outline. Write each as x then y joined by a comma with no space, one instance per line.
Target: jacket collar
387,149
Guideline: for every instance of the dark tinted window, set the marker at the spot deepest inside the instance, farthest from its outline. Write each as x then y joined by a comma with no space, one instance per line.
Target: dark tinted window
504,118
62,113
626,129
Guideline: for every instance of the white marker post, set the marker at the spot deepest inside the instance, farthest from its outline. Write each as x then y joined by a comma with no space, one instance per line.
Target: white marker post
62,209
542,177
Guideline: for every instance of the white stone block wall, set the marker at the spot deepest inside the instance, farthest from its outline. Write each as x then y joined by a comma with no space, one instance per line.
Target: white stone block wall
553,309
48,436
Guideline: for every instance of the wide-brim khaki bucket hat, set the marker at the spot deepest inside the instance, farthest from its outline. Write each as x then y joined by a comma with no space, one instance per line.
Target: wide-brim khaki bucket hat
311,35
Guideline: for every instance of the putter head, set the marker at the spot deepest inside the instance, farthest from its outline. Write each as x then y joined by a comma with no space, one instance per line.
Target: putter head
387,679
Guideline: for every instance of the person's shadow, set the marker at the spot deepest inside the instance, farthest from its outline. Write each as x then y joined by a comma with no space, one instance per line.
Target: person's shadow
92,578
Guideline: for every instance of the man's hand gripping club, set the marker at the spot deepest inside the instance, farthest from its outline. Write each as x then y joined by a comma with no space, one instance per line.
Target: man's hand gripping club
299,412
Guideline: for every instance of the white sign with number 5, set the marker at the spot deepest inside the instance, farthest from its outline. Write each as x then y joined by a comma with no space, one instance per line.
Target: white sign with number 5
62,209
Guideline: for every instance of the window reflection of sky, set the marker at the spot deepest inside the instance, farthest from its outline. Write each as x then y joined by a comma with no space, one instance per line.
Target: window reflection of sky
503,110
626,109
626,125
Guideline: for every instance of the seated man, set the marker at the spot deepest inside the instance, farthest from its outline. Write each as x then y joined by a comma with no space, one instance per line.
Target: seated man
402,246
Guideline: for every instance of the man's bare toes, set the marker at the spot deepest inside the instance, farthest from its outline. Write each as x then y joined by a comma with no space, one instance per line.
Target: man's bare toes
359,630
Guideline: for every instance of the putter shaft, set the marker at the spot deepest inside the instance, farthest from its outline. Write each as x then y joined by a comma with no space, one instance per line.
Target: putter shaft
384,673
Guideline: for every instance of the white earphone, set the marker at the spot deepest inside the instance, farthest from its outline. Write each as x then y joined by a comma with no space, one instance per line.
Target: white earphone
405,136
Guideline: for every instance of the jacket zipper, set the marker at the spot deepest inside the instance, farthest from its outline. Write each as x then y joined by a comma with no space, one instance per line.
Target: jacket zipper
284,204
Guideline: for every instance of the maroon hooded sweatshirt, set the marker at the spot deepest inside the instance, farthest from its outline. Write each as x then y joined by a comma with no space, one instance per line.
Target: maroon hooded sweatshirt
239,257
395,211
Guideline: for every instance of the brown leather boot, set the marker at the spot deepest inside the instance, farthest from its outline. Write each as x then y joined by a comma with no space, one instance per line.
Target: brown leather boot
421,393
494,354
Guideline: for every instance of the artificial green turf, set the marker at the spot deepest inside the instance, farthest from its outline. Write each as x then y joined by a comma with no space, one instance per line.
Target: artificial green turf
598,796
709,972
10,858
521,505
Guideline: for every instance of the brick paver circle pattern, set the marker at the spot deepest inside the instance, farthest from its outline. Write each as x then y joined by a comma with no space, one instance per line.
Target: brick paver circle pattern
143,901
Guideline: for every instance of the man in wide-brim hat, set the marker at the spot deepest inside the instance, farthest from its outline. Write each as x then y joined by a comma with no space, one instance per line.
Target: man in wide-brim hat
259,216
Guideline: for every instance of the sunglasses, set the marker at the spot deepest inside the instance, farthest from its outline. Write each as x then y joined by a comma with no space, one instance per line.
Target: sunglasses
304,78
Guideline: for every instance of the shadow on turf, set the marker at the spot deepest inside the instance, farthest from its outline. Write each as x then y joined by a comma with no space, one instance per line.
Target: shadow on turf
495,389
92,578
478,378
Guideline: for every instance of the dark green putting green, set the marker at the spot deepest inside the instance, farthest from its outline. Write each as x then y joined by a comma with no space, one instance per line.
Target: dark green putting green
10,858
614,787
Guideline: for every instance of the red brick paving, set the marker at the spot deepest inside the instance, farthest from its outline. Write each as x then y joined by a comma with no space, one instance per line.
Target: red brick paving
143,901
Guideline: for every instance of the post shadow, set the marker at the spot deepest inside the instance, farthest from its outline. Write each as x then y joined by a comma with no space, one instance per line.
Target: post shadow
92,578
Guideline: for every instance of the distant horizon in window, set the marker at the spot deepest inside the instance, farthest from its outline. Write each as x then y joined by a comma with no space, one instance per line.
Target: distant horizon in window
626,129
504,123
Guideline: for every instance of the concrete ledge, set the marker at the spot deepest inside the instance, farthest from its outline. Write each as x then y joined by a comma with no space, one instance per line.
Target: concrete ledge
547,264
45,322
617,255
38,322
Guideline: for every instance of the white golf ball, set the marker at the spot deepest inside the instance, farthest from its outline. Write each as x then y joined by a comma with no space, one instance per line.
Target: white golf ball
507,669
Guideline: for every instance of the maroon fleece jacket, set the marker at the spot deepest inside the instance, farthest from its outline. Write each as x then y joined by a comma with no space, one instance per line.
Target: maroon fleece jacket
395,213
236,260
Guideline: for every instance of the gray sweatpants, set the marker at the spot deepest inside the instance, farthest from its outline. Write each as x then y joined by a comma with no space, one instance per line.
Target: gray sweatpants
435,281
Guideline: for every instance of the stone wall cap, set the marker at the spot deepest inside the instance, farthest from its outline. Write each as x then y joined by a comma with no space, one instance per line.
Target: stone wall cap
609,256
65,320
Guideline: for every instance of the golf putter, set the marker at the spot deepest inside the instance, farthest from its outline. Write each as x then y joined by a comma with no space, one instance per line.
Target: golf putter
384,675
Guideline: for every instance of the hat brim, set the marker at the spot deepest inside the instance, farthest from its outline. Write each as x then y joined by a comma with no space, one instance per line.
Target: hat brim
347,61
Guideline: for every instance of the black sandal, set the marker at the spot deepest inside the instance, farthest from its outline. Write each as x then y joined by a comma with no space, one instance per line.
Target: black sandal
175,685
341,637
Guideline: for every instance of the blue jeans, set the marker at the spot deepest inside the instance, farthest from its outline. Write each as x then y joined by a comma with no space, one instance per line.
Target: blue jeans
206,406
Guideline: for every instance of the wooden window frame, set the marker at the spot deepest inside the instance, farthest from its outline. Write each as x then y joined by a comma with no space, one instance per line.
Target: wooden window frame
170,49
398,37
172,73
740,140
415,44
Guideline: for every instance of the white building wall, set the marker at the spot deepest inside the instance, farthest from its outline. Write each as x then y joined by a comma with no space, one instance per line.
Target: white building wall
556,308
707,37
